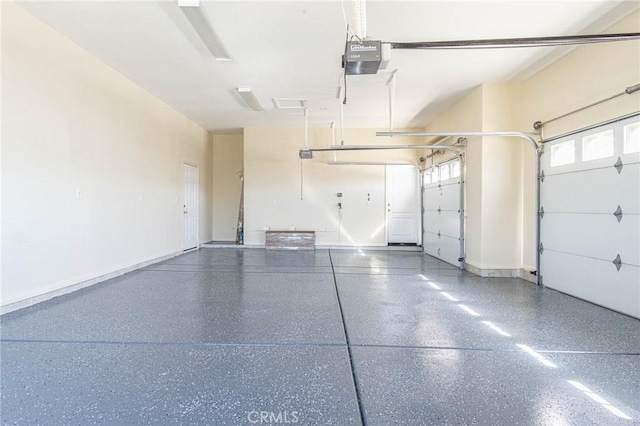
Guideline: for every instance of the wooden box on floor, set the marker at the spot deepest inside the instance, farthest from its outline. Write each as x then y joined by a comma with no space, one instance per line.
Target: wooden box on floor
290,240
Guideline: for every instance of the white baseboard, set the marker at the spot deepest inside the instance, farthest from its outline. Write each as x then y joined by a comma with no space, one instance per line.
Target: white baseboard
521,273
30,301
493,273
526,275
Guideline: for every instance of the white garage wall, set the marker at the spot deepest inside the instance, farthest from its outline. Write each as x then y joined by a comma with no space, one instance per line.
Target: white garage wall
71,123
272,186
228,158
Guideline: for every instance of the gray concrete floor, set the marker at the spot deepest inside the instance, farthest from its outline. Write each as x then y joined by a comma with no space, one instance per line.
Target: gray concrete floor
227,336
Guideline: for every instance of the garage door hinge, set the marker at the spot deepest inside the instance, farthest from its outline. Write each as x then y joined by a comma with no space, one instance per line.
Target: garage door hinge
540,248
618,165
439,210
541,212
438,236
618,262
541,176
618,213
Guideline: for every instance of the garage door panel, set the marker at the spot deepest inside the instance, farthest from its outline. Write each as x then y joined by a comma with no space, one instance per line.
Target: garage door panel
443,248
431,222
450,224
431,244
593,191
595,281
593,235
441,220
450,250
580,234
450,199
431,198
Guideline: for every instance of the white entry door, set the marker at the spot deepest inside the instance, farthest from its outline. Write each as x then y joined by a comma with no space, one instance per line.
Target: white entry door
190,207
403,200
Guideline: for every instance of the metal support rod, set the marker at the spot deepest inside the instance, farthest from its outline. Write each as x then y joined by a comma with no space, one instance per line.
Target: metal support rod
392,94
537,153
306,128
441,141
421,174
592,126
516,42
628,91
333,139
341,123
431,147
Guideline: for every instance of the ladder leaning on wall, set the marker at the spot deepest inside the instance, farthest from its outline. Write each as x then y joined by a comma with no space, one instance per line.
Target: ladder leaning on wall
240,227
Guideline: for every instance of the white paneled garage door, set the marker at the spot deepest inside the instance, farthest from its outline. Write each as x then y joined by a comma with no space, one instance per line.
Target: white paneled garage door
441,214
590,209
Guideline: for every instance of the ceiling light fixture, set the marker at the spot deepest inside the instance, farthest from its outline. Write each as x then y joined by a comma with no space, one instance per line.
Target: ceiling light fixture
250,98
289,103
196,16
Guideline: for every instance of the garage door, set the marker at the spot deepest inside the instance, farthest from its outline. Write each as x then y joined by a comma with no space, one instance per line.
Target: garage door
441,211
590,209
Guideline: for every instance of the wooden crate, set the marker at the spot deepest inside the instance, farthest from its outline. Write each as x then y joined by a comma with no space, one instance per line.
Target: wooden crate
290,240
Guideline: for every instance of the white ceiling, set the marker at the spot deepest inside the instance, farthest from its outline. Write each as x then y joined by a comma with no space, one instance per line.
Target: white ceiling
292,49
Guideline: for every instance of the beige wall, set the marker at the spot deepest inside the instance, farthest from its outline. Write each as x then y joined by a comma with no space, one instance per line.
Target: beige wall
228,158
72,123
586,75
501,178
500,193
273,198
466,115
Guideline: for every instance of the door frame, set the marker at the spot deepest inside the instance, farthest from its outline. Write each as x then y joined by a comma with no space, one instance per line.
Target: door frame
197,167
417,200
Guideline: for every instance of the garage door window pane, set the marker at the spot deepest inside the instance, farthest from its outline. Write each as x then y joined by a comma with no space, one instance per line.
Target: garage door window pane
597,146
563,153
444,172
455,169
632,138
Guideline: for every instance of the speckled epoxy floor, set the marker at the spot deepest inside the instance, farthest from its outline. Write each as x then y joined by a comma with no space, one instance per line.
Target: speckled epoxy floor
233,336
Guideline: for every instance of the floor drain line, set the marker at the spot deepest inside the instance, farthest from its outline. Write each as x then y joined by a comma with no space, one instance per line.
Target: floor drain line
346,336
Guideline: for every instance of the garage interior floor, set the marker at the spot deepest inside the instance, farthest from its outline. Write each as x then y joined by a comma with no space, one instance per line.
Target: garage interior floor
233,336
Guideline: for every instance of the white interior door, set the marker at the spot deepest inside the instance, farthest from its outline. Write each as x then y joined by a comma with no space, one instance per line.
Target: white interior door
403,200
590,226
441,209
190,207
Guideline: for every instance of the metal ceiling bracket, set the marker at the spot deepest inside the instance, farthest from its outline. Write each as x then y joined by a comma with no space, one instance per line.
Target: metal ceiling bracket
541,248
618,213
619,165
541,212
541,177
618,262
